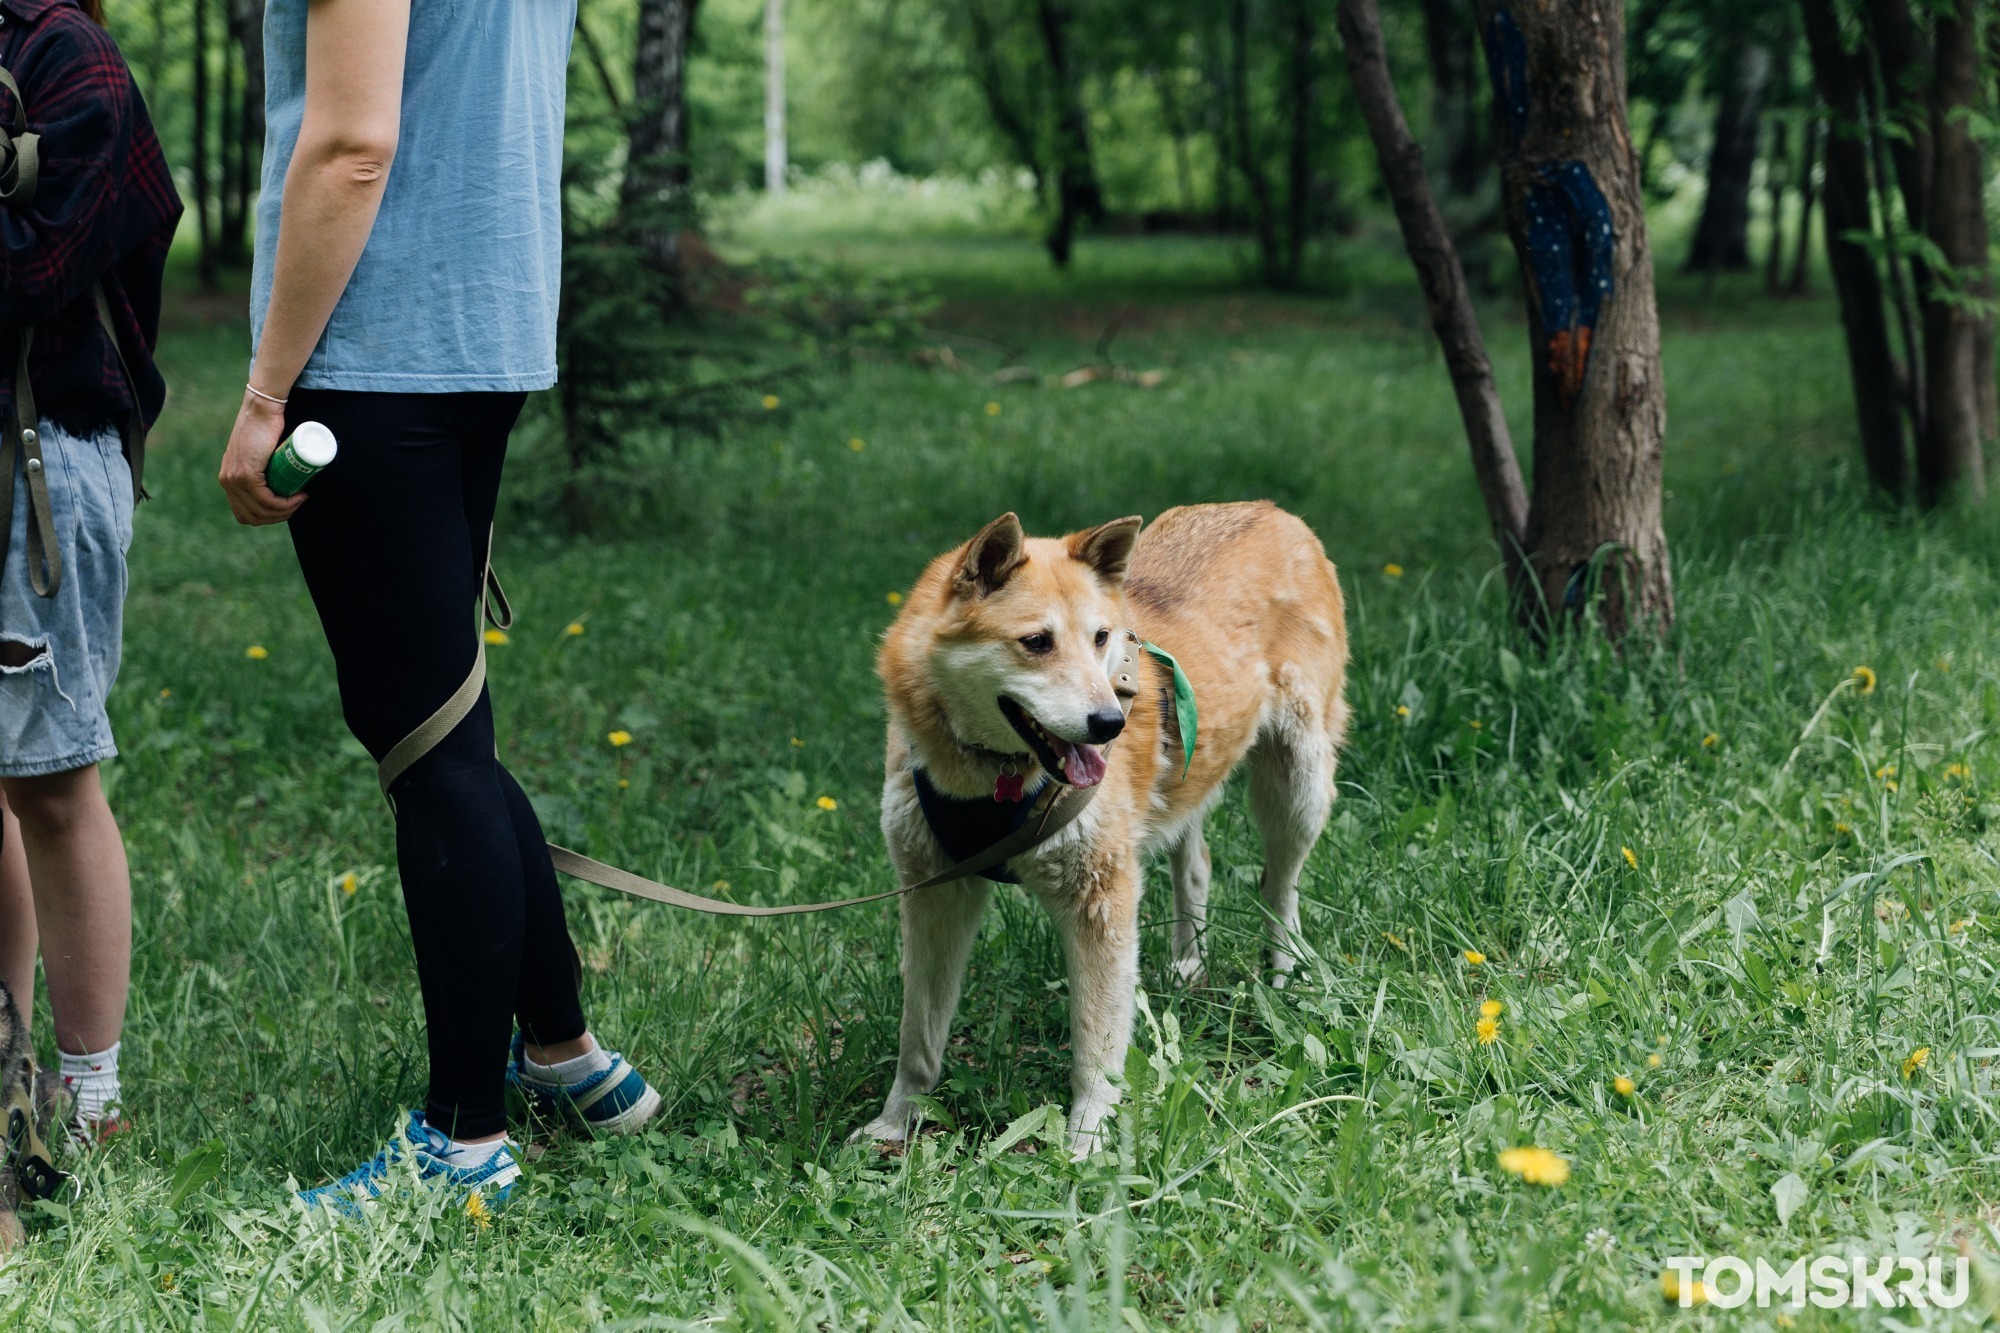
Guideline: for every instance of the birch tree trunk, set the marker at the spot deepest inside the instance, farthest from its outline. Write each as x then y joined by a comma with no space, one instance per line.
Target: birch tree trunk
1570,182
775,155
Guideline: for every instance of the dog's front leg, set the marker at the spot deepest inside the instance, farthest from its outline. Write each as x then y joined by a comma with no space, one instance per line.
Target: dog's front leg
938,928
1100,933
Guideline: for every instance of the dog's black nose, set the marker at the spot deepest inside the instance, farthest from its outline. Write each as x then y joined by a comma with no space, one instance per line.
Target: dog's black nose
1105,724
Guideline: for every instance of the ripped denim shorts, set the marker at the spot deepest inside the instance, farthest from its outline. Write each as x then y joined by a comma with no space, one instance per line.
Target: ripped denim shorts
59,655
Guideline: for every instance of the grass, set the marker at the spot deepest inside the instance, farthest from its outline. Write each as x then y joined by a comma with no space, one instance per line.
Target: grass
1668,884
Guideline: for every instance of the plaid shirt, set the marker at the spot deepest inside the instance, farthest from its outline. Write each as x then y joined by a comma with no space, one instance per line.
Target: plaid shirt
105,209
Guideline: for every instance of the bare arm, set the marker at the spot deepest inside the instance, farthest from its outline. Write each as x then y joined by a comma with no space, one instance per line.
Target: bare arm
333,189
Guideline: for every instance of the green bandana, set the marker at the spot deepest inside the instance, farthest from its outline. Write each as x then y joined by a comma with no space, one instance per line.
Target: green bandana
1185,716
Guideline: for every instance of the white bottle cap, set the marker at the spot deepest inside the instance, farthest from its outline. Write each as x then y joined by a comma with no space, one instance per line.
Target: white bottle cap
314,444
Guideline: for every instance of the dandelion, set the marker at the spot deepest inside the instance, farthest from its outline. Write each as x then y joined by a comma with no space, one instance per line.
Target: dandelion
895,599
770,402
1624,1086
1631,858
476,1209
1842,829
1537,1166
993,409
573,629
1917,1060
1487,1030
1473,958
857,444
256,652
1393,570
1866,675
1491,1009
827,803
1653,1061
1396,942
1476,724
1402,710
166,694
1957,773
1710,741
1954,928
1886,771
348,884
624,784
720,886
166,1282
495,637
619,738
1670,1287
798,744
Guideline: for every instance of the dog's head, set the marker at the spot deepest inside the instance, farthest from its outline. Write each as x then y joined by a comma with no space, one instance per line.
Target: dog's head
1011,636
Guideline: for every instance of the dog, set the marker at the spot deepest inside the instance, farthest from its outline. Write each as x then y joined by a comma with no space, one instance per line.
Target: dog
29,1106
997,675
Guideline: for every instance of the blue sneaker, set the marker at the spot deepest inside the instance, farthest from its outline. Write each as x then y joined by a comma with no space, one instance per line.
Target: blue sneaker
617,1100
492,1180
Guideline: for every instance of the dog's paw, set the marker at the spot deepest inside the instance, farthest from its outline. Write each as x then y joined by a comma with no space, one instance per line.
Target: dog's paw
882,1129
1190,972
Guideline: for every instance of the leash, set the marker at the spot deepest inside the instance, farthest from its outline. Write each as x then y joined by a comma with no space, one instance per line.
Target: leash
1054,809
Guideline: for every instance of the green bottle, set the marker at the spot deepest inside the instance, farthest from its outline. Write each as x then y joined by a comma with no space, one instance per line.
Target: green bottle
299,459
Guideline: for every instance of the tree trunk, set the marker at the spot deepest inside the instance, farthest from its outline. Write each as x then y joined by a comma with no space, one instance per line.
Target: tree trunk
774,97
1443,280
989,72
205,262
1948,457
1777,166
1910,379
1574,209
656,198
1722,238
1078,197
1856,280
1902,58
1457,150
1264,212
1802,250
1298,167
249,22
1177,129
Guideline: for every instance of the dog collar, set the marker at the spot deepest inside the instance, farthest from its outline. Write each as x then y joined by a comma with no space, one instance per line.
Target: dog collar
966,826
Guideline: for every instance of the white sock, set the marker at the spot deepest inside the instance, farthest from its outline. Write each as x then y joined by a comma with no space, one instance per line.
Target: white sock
474,1154
92,1080
567,1073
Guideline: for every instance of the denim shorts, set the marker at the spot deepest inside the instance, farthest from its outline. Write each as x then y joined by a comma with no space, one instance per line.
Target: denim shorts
52,716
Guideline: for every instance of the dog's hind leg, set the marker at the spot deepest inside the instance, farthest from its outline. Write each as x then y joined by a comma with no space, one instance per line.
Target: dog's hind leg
938,928
1291,792
1190,872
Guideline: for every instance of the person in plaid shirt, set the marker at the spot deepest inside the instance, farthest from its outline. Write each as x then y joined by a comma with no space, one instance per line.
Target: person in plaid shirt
101,217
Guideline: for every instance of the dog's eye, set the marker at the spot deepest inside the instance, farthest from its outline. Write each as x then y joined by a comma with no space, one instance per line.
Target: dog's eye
1039,644
1103,637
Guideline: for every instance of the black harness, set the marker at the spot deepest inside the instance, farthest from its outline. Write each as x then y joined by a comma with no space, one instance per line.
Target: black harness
966,826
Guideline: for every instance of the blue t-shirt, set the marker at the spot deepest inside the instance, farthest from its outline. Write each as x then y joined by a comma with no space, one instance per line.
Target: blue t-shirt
457,287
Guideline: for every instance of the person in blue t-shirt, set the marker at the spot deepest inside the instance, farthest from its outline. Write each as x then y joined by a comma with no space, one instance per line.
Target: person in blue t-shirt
404,295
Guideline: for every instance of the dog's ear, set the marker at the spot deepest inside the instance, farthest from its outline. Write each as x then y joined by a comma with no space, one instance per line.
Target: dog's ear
991,557
1107,549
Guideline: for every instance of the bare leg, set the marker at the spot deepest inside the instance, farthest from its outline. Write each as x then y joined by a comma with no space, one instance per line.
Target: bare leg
83,903
1101,941
17,915
938,928
1291,791
1191,873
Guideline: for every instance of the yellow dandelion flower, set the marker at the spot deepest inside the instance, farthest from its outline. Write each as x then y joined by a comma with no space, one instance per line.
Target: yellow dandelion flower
770,402
857,444
167,1282
1710,741
1487,1030
1842,829
1476,724
1537,1166
993,409
1402,710
476,1209
1393,570
1473,958
1886,771
1653,1061
1956,772
827,803
256,652
720,886
1631,858
895,599
1624,1086
1866,675
166,694
618,738
1491,1009
1917,1060
1892,785
1393,940
495,637
1670,1287
798,744
624,784
574,628
348,884
1954,928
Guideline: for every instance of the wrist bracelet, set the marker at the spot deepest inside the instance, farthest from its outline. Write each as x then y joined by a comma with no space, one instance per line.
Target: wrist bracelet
269,398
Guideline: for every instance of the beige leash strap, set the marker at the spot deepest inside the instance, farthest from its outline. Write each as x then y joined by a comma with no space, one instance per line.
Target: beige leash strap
1053,810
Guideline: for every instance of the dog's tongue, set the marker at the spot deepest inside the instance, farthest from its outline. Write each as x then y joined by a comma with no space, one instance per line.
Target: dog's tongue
1085,766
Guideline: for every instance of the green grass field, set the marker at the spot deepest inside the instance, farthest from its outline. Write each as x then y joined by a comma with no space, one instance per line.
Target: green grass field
1667,882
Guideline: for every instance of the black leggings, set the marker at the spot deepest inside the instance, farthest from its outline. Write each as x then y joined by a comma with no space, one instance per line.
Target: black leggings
392,541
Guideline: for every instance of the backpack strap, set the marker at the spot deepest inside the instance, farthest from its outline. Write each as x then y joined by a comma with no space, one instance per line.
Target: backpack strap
23,436
133,428
19,177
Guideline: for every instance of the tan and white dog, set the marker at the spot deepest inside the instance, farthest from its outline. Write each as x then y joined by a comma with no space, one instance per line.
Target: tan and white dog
996,675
